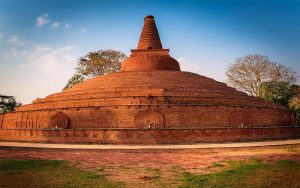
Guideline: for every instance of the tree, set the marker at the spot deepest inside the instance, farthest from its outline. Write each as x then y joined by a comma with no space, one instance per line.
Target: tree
249,72
95,64
295,89
75,79
8,103
294,103
100,63
277,92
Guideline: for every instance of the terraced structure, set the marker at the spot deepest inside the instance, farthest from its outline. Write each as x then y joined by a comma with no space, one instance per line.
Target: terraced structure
150,101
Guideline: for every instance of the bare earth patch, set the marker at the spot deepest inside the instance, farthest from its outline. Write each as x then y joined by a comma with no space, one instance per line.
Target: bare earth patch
154,168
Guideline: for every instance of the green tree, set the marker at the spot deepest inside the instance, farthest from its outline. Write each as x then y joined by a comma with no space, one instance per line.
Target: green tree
75,79
277,92
295,89
96,64
8,103
249,72
294,103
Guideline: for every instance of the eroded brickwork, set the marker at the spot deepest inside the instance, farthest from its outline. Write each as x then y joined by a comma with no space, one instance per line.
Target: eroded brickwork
149,136
149,101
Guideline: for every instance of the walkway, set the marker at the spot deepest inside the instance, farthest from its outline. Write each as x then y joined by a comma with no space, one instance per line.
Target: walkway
142,147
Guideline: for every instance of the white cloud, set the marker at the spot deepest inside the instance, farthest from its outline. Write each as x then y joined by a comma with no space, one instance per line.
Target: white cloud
11,53
187,65
83,30
46,69
213,69
55,25
1,34
67,25
14,40
49,60
42,20
181,60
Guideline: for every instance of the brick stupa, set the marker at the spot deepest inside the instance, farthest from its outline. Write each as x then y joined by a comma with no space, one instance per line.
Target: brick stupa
149,101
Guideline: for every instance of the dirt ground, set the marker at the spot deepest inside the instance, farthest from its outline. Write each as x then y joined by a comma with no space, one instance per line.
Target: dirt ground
151,168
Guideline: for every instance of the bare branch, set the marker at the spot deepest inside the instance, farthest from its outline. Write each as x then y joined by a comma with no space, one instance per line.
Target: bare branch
249,72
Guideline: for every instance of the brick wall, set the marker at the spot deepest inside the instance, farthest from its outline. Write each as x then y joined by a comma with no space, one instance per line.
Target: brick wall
142,99
149,136
139,116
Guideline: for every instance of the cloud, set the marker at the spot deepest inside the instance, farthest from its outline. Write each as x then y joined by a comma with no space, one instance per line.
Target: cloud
187,65
36,70
83,30
11,53
49,60
67,25
55,25
42,20
14,40
201,67
1,34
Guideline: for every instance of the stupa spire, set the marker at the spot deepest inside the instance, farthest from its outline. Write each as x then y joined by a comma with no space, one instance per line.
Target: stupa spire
149,38
150,55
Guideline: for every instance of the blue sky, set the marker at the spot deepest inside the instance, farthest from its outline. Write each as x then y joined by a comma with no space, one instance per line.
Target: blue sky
40,41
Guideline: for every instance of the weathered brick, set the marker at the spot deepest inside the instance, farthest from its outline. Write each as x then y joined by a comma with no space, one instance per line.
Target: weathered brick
149,101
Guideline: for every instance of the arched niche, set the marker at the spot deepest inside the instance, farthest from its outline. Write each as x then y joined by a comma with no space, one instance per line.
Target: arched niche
59,120
149,119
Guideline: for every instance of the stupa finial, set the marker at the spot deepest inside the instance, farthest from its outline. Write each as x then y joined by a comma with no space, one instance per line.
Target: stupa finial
149,37
150,55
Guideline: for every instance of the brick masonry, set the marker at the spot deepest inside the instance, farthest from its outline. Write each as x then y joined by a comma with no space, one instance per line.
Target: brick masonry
149,101
149,136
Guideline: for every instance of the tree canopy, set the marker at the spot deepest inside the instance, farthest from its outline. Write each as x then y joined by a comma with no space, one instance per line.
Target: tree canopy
96,64
100,63
75,79
277,92
8,103
295,101
248,73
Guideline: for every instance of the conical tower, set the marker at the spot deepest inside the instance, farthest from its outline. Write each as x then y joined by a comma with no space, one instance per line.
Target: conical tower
149,102
149,54
149,37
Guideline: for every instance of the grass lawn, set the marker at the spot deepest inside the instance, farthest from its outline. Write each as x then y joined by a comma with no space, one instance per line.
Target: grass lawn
49,173
256,173
52,173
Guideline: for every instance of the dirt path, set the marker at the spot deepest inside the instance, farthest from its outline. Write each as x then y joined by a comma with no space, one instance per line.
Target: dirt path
135,147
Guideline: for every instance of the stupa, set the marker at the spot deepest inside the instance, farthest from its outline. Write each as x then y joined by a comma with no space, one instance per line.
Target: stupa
150,101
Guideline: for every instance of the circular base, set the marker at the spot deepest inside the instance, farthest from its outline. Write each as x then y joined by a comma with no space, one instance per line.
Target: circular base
149,136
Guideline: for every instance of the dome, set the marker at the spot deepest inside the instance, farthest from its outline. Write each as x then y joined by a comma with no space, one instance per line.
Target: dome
150,101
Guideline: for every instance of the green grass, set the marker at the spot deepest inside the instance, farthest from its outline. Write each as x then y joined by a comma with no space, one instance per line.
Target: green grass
52,173
256,173
216,165
40,173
